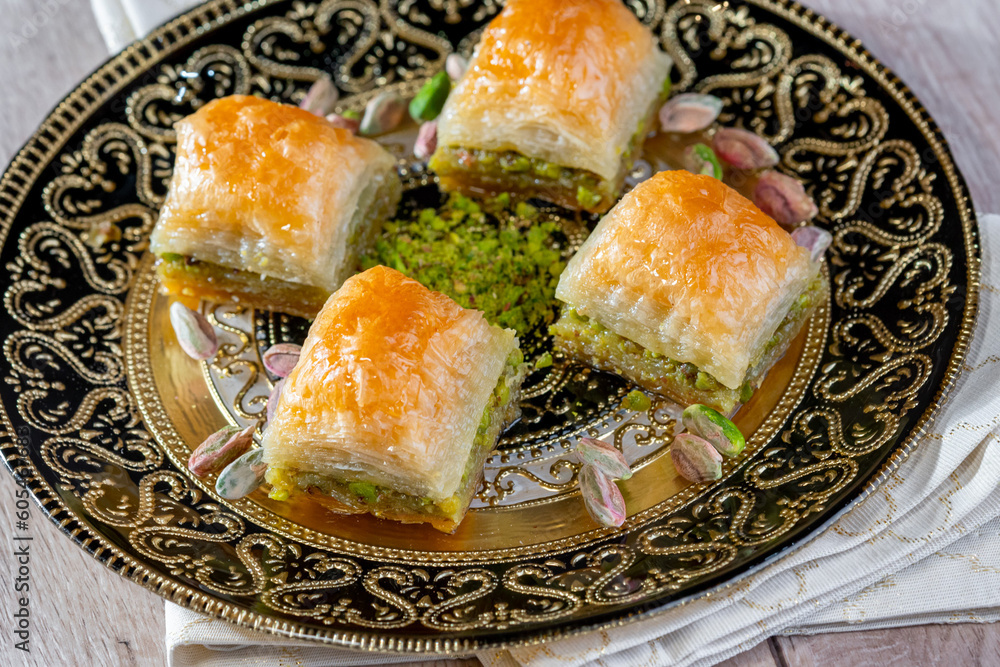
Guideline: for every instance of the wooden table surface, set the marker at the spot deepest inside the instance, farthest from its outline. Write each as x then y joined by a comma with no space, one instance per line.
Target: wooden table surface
84,614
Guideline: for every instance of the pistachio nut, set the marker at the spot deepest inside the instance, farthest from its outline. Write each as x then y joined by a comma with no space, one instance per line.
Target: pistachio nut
689,112
743,149
383,113
426,140
194,333
544,361
455,65
242,476
709,424
321,96
343,121
637,400
606,458
602,497
280,359
784,198
695,459
813,239
700,159
430,99
220,449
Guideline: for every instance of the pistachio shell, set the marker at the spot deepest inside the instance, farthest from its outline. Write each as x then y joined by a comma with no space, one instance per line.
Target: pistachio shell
455,65
784,198
212,443
709,424
743,150
426,140
602,497
383,113
700,159
280,359
273,397
321,97
695,458
641,171
689,112
813,239
429,101
606,458
220,449
343,122
194,333
242,476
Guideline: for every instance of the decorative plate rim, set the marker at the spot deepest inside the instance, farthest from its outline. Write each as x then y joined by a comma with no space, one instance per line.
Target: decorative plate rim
121,69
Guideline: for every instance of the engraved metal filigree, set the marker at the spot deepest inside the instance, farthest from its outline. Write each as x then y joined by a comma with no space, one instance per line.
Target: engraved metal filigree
89,426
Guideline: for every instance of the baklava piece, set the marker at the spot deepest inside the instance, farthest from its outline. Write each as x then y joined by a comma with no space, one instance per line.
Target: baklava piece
269,205
399,396
555,104
687,289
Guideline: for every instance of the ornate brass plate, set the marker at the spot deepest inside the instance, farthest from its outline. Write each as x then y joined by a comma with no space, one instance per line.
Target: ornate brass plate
100,409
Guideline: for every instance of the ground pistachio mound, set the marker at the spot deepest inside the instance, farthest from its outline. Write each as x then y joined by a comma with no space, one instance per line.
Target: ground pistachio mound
494,256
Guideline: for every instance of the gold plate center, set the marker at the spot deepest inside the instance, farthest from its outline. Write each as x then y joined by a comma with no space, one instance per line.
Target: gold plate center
182,403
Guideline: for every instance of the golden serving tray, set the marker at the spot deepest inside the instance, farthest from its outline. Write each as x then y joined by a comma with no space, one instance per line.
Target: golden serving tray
101,409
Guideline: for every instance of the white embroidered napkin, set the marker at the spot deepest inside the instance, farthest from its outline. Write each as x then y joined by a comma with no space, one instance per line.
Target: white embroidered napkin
925,548
123,21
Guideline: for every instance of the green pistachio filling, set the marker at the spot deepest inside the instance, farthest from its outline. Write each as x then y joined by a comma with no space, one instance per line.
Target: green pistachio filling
509,170
637,400
507,270
297,299
586,198
478,169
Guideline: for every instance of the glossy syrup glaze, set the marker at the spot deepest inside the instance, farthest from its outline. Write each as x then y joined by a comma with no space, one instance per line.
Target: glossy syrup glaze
391,374
689,268
264,187
567,82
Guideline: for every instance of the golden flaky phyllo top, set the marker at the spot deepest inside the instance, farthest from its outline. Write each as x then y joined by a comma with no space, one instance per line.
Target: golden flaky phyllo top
688,268
393,380
567,82
267,188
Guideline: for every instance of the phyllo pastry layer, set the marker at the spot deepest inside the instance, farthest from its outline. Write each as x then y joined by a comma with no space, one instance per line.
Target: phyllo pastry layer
555,104
687,289
269,205
396,401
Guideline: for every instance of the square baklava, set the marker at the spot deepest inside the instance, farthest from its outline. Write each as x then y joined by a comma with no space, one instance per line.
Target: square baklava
555,104
687,289
269,205
397,399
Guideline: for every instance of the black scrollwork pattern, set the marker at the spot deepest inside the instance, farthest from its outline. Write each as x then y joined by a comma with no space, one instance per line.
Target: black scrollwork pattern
78,204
